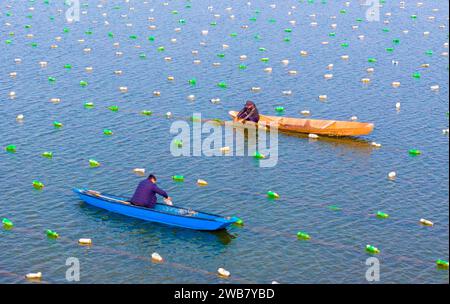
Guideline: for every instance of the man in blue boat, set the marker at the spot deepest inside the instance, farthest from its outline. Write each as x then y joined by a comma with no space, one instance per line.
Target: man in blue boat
145,194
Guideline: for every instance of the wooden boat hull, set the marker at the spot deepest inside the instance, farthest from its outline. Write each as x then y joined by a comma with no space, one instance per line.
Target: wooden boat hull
315,126
164,214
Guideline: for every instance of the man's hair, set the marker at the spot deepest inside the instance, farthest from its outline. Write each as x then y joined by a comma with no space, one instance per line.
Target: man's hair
151,176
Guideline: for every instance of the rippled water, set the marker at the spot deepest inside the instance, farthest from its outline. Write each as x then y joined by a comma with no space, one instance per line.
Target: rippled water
310,175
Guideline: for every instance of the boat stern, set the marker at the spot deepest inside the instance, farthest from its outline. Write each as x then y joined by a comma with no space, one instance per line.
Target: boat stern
226,221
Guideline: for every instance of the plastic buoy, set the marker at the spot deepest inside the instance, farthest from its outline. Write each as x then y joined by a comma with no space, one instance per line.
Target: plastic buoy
434,88
303,236
47,154
279,109
426,222
87,242
375,144
51,234
139,171
178,143
7,223
392,175
93,163
20,117
259,155
273,195
113,108
11,149
442,264
202,182
414,152
156,257
222,85
306,112
223,273
225,149
88,105
178,178
34,276
382,215
372,249
239,222
335,208
38,185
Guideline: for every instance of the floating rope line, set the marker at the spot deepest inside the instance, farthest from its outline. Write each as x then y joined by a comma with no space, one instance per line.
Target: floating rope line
110,250
20,278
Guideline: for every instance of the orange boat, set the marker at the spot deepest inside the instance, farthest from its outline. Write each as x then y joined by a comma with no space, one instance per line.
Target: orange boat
316,126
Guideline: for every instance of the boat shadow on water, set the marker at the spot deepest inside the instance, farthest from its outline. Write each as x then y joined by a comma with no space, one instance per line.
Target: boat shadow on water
354,143
143,228
357,144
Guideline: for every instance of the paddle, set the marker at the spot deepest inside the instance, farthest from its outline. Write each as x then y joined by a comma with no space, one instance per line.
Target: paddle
98,194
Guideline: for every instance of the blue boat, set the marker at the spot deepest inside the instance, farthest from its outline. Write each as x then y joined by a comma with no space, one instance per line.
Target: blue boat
161,213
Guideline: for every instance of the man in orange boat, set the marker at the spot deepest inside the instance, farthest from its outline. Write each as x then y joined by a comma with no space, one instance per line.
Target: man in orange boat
248,113
145,194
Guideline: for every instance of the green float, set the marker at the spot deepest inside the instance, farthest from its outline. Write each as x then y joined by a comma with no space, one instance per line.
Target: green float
47,154
303,236
11,149
272,195
372,249
178,178
38,185
382,215
7,223
51,234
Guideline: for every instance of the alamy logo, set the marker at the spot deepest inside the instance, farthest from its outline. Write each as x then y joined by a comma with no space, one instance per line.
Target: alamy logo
73,272
373,272
225,139
373,12
73,12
